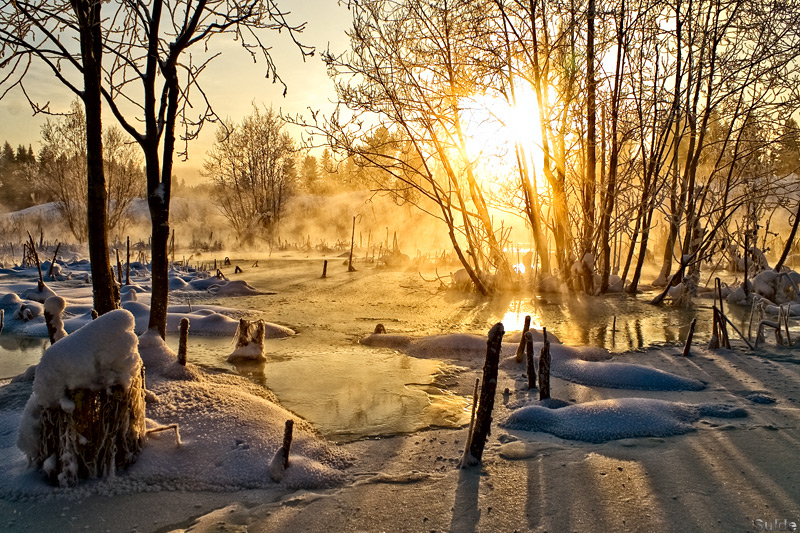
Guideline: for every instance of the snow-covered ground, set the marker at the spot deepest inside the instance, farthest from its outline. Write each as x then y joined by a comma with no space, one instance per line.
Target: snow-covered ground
634,441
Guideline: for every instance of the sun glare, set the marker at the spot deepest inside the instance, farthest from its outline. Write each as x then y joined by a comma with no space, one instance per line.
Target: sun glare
494,127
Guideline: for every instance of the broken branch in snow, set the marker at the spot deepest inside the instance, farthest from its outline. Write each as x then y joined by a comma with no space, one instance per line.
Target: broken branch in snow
165,428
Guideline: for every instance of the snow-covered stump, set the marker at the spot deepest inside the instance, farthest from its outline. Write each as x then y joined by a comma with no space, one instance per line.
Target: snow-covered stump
249,342
86,415
53,309
529,366
184,337
483,420
521,347
544,368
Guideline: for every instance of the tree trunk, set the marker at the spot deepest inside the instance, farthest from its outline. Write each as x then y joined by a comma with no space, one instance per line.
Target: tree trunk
104,291
591,141
789,241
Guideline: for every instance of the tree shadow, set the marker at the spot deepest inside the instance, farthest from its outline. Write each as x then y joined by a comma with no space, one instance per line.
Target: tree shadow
466,512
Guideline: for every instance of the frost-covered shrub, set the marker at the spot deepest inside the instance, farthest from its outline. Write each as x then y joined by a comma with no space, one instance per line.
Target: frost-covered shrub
85,417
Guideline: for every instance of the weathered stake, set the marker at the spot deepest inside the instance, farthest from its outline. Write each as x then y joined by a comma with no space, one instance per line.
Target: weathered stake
521,347
128,263
531,369
465,458
325,269
183,340
119,268
688,345
287,441
544,368
483,420
352,242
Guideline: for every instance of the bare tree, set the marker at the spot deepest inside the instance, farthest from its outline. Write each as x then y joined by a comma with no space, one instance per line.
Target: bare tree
407,73
146,81
63,167
46,33
248,166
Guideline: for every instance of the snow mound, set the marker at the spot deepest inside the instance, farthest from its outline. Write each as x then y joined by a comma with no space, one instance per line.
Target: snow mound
386,340
623,418
622,376
230,429
233,288
38,295
451,346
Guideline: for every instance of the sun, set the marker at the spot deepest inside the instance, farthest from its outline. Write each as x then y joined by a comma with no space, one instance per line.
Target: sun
496,127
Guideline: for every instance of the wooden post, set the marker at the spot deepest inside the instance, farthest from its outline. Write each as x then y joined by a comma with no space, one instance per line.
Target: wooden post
688,345
2,319
183,339
483,420
128,262
544,368
287,441
529,360
352,241
521,347
325,269
465,458
119,267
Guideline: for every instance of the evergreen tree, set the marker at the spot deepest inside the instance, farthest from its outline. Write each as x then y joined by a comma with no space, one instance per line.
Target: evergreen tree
309,174
788,151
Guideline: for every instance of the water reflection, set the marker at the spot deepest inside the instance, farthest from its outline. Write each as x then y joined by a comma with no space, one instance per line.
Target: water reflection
578,320
18,353
347,392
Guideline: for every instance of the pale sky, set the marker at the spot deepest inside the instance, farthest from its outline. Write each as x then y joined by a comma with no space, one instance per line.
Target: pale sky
233,82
